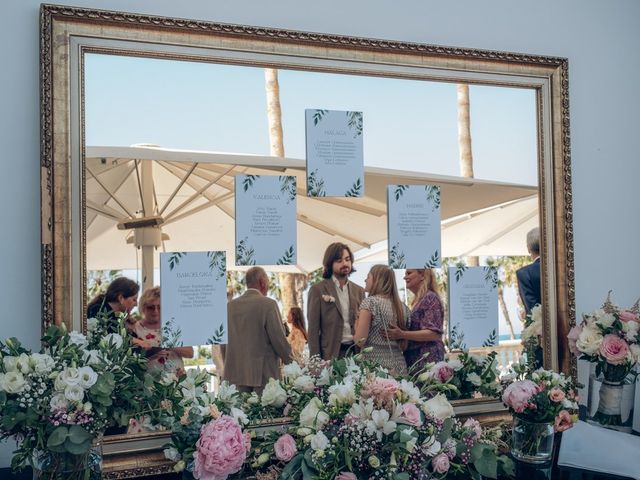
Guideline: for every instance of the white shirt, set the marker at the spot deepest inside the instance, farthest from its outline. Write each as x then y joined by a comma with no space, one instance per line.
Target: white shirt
343,305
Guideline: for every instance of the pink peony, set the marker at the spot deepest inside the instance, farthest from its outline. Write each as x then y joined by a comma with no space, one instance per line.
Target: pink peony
440,463
346,476
518,394
220,450
556,395
474,425
382,390
412,414
442,372
614,349
627,316
285,448
563,421
574,333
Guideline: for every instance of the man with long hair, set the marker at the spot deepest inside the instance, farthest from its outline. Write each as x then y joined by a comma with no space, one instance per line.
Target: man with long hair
333,305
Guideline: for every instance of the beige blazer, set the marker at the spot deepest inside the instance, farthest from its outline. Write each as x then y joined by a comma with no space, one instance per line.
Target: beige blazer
325,317
256,341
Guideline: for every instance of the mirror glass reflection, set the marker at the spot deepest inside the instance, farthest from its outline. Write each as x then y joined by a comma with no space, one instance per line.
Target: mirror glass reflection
151,123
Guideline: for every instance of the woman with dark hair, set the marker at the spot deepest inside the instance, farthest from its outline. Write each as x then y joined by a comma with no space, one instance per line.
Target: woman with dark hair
427,315
298,336
120,298
379,312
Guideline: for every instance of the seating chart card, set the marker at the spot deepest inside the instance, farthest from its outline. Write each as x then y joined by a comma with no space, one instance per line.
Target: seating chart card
335,162
193,298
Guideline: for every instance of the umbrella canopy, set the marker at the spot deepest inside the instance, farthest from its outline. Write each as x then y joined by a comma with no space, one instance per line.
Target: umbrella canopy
183,200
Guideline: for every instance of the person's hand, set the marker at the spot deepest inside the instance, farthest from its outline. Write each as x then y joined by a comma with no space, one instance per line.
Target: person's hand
145,345
394,333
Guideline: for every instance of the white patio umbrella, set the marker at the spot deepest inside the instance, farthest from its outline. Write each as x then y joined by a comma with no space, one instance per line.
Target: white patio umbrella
180,200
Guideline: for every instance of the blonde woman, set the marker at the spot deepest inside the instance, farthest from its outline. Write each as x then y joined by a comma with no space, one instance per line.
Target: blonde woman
380,311
298,336
425,328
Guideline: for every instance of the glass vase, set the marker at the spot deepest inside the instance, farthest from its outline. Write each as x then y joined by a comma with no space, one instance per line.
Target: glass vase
611,400
48,465
532,442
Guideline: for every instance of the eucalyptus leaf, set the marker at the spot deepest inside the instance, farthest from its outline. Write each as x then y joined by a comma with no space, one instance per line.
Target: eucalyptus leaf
78,435
57,437
76,448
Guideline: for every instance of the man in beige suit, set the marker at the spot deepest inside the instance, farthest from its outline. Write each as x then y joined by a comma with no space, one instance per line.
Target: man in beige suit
333,305
256,336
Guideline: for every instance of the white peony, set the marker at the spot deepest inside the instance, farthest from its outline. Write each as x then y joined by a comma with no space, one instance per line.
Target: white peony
42,363
455,363
91,357
74,393
112,340
319,441
312,415
172,454
342,394
589,340
292,371
474,379
77,338
59,402
69,376
13,382
304,383
88,377
438,406
273,394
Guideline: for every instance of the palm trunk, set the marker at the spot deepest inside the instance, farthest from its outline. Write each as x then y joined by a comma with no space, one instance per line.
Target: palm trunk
505,312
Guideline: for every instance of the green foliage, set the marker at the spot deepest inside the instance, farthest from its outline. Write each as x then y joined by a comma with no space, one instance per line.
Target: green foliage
287,257
288,187
217,337
456,338
399,191
171,334
355,123
248,181
433,261
484,460
315,185
244,253
318,116
397,257
491,340
355,190
174,259
433,195
218,263
459,272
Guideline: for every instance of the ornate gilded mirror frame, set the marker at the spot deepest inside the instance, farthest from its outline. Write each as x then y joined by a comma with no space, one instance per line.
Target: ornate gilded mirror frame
68,33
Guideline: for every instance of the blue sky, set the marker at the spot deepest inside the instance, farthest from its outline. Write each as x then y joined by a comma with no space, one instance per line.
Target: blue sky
409,124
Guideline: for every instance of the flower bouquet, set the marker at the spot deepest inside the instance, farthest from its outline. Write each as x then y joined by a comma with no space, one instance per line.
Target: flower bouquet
465,375
610,338
542,403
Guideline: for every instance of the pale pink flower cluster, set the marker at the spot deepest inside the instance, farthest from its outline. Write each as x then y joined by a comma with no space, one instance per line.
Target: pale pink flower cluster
412,414
381,390
442,372
221,449
518,394
285,448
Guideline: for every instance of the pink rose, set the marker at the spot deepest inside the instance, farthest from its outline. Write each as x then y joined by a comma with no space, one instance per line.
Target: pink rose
563,421
220,451
412,414
556,395
346,476
285,448
614,349
627,316
442,372
574,333
518,394
475,426
440,463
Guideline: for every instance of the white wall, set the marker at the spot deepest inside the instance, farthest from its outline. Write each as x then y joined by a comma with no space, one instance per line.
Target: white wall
599,38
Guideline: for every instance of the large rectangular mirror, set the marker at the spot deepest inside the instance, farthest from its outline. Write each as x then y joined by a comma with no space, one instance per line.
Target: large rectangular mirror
196,91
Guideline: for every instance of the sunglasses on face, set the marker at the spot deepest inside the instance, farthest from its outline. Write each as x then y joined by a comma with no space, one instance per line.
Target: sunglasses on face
152,307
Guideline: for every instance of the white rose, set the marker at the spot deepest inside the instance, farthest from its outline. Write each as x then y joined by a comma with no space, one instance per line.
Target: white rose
342,394
88,377
631,330
69,376
292,371
239,416
92,323
438,406
319,441
113,339
589,340
10,363
20,364
634,348
432,445
606,320
91,357
304,383
172,454
312,415
455,363
273,394
1,382
42,363
474,379
77,338
14,382
74,393
59,402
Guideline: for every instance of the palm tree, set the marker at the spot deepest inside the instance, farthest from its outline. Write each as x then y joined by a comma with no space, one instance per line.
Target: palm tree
291,284
464,144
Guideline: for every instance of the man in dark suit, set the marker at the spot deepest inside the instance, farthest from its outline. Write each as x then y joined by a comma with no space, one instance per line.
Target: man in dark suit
333,305
529,276
257,342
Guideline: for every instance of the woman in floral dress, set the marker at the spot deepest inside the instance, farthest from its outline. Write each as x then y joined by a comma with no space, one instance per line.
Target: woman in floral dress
379,312
425,330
